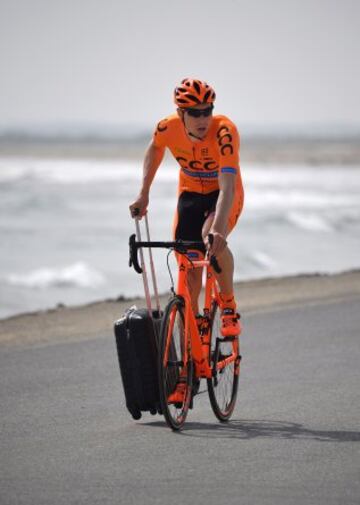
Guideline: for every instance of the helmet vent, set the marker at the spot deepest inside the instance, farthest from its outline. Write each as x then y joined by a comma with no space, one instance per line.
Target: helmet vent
193,97
206,97
197,87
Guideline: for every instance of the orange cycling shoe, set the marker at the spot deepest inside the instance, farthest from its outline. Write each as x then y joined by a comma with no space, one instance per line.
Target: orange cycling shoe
178,396
230,324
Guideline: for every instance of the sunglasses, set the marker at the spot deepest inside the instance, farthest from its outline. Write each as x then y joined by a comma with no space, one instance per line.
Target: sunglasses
200,112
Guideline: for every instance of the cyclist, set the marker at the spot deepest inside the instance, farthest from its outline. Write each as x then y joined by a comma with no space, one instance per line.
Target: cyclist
210,192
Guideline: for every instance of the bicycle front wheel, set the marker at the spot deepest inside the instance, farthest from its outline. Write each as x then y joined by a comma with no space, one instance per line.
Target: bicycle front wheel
225,363
175,367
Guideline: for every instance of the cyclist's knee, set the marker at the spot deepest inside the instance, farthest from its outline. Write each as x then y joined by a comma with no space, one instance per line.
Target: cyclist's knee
207,225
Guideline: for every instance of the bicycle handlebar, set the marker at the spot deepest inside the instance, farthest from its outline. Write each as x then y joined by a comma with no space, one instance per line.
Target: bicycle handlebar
181,246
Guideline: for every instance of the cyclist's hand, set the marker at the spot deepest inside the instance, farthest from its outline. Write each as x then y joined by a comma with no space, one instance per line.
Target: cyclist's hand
218,245
139,207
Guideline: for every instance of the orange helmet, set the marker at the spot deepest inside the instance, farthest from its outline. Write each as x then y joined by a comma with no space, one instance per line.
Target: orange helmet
193,92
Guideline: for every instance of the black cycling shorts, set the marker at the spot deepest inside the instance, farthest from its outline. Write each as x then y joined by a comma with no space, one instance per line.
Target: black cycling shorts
192,211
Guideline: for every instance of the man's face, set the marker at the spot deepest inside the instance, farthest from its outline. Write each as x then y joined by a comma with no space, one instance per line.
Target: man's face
198,126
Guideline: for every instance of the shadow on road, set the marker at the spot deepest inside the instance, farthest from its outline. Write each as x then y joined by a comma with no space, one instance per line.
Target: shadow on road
249,429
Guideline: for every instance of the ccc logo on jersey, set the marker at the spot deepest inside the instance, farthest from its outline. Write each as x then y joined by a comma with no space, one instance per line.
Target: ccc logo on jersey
197,165
225,140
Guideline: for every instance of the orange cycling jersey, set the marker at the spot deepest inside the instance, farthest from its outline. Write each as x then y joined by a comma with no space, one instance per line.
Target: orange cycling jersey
201,162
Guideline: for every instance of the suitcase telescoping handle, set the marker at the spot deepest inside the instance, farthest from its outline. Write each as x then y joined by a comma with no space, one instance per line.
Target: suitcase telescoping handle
143,268
153,273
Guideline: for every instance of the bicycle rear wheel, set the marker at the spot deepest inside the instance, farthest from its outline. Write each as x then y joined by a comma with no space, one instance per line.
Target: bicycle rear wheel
175,367
223,385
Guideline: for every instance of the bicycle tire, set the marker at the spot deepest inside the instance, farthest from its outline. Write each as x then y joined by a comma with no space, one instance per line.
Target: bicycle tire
223,386
175,375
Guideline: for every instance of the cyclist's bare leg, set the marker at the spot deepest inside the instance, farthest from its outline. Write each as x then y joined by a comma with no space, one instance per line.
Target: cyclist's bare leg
194,284
230,326
225,260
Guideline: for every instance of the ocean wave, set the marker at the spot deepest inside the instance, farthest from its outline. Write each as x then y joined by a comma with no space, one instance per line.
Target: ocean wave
309,222
256,198
296,175
78,275
77,171
262,260
67,171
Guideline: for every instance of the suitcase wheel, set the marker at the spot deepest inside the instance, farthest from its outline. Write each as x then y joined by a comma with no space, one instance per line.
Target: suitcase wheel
136,414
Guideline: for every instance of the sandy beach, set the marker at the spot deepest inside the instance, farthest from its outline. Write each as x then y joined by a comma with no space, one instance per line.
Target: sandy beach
96,320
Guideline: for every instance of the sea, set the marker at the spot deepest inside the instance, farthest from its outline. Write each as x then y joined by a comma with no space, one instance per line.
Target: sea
65,226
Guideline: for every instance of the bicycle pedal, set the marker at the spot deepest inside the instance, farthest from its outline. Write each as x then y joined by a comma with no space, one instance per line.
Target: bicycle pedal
228,339
175,363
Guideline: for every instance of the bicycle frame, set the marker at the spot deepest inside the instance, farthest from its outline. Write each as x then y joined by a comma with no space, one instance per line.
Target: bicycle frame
200,344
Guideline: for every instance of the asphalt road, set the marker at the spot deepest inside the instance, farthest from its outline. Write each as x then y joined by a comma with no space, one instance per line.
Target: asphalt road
66,437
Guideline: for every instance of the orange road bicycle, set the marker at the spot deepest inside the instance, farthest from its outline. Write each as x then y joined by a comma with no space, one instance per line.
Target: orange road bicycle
192,348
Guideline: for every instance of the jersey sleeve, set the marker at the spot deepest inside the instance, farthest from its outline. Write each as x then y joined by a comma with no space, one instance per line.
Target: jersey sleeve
228,140
161,133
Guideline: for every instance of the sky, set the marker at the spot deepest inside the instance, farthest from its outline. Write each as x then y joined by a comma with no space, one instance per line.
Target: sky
283,63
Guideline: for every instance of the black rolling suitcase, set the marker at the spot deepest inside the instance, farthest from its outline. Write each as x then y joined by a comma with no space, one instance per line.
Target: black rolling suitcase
137,336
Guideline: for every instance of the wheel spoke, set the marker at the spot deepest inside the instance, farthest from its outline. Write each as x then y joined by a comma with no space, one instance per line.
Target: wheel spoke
223,385
174,372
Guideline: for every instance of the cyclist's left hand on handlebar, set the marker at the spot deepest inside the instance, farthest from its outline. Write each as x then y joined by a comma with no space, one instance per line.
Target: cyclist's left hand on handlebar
218,245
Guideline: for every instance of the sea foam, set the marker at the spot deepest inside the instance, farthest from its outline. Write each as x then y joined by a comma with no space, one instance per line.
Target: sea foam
76,275
311,221
72,171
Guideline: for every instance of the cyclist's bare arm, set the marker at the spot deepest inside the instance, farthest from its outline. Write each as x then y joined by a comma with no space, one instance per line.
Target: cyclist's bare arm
223,207
153,157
